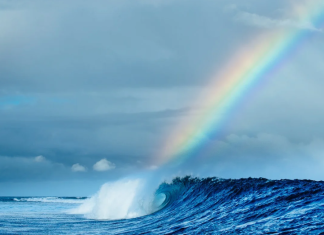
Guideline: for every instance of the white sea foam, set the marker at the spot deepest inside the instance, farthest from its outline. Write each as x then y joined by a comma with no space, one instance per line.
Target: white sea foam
122,199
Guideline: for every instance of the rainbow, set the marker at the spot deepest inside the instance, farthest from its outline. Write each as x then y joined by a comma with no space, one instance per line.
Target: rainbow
231,86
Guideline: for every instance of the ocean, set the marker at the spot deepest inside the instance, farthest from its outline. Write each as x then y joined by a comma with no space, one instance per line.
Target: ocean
184,206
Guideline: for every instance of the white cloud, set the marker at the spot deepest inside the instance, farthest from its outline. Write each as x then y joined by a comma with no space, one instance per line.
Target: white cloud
40,158
78,168
266,22
153,167
103,165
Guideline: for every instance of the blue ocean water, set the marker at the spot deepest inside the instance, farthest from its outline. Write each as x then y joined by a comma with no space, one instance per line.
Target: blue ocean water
184,206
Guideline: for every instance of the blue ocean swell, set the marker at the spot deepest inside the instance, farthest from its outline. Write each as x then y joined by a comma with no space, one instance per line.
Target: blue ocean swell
195,206
258,206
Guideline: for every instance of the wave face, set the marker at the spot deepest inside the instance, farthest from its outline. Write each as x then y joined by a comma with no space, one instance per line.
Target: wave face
226,206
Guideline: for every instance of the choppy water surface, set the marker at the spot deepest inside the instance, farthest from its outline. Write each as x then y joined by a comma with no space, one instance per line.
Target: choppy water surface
184,206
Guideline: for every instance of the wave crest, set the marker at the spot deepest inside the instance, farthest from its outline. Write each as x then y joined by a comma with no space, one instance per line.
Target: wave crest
122,199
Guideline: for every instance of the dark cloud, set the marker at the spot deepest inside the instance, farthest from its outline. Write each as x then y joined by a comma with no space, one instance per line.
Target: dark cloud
113,44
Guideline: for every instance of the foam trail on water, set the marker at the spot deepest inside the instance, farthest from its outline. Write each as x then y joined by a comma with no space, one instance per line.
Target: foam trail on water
122,199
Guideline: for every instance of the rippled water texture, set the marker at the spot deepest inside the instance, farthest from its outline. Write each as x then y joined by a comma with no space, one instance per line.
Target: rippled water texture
184,206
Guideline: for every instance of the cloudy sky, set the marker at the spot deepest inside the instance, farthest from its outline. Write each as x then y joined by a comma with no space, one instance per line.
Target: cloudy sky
90,91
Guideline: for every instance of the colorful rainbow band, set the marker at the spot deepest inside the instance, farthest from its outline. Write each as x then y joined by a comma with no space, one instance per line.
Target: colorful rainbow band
240,77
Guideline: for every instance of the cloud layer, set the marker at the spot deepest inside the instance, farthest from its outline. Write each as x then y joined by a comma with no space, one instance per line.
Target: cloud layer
88,86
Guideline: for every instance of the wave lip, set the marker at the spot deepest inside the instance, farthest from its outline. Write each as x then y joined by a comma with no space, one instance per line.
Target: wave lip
171,191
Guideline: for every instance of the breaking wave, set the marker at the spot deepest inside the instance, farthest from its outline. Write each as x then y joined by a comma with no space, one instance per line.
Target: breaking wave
119,200
210,205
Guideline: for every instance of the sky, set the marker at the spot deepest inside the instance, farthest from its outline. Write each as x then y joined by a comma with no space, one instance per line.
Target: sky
90,91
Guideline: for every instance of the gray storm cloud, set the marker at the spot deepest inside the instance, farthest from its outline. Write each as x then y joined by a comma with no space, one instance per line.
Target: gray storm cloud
84,81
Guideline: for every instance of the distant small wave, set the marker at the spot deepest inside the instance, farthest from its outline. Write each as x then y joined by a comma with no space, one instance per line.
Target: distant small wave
71,200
